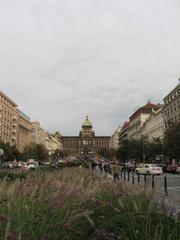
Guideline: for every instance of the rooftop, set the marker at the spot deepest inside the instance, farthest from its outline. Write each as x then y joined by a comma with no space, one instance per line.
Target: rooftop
10,100
147,106
174,89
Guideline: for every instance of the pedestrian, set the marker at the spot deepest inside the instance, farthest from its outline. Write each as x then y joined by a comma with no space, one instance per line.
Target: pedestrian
107,169
115,171
93,165
100,167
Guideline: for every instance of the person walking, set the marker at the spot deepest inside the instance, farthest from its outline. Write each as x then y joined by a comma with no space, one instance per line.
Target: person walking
115,171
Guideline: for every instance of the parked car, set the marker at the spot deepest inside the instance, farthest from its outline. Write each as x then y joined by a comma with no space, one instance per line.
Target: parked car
7,165
172,168
55,164
129,166
32,165
21,164
163,166
149,169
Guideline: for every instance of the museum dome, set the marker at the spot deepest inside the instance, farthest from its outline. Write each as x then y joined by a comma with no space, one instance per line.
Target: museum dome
87,123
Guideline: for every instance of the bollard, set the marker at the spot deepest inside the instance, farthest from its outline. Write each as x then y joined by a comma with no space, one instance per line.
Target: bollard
145,178
128,176
152,181
165,185
138,177
133,178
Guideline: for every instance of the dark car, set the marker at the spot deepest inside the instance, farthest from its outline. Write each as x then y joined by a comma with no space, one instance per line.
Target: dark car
172,168
55,164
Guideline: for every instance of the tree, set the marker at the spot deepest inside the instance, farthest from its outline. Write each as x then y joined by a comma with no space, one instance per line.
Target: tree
10,152
153,149
172,141
106,153
123,152
36,151
60,154
139,149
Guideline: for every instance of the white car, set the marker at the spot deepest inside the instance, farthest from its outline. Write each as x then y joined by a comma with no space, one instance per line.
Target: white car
149,169
32,165
21,164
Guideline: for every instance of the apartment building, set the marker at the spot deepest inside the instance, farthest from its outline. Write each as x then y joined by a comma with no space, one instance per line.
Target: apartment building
52,143
154,127
171,108
138,118
24,133
114,140
123,135
9,116
38,135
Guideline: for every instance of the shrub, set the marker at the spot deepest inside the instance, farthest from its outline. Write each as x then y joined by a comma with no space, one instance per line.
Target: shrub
11,176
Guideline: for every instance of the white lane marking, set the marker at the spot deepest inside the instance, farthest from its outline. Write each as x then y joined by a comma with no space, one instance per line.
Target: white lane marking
174,189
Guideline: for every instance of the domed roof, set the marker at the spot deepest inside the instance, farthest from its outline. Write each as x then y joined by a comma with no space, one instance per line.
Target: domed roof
87,123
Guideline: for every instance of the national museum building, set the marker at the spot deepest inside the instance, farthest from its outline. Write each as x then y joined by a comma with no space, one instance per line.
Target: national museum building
86,142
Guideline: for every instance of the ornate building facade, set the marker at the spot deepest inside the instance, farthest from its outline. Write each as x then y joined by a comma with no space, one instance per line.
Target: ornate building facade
8,120
86,142
24,133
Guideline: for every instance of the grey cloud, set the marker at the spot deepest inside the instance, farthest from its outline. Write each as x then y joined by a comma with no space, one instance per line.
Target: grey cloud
61,60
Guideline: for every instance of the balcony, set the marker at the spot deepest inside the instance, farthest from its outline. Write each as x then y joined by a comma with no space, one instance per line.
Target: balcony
14,131
14,124
13,138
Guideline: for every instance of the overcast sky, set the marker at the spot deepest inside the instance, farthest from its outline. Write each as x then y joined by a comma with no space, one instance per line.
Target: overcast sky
63,59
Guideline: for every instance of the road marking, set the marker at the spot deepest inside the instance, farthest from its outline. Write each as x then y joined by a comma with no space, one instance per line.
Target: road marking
174,189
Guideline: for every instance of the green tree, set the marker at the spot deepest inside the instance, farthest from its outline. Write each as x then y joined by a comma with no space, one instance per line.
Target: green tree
139,149
123,152
60,154
10,152
36,151
172,141
106,153
153,149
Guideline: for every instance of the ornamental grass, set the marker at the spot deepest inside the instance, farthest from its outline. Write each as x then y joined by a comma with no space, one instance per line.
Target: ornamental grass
76,204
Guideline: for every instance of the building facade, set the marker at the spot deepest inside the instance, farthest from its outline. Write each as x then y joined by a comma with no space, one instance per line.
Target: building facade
52,143
154,127
86,142
114,141
123,135
24,131
8,120
138,119
171,108
38,135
